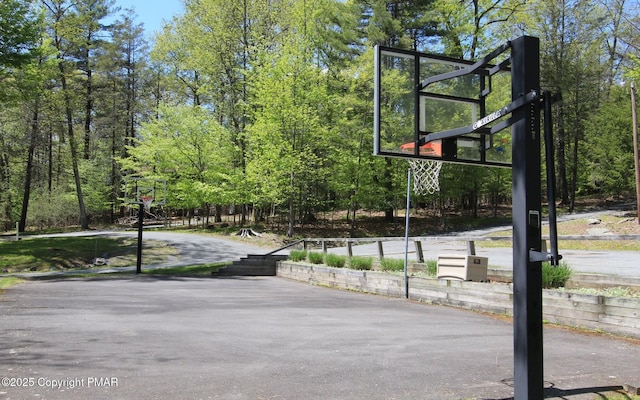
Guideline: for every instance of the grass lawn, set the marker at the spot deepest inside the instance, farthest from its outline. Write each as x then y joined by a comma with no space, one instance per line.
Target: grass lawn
66,253
609,224
189,270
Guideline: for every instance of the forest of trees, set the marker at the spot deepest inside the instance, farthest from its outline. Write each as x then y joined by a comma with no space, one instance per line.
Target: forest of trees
266,106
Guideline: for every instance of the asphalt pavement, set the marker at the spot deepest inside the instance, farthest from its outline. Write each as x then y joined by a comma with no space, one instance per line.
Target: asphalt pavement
147,338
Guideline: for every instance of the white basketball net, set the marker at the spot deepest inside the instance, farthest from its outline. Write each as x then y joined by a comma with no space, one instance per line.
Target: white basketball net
426,175
146,201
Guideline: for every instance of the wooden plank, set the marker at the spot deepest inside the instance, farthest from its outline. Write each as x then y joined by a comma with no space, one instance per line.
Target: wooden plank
419,254
471,247
627,302
620,321
626,312
573,314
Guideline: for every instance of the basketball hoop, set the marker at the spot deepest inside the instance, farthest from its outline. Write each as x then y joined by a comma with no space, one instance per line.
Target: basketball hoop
426,175
146,201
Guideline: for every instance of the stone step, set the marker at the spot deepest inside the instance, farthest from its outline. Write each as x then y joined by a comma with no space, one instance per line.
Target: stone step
252,265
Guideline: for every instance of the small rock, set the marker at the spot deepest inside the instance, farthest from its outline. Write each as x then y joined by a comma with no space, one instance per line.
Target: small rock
593,221
99,261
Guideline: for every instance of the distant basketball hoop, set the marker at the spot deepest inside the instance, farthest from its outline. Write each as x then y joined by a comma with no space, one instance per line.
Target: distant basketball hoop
146,202
144,192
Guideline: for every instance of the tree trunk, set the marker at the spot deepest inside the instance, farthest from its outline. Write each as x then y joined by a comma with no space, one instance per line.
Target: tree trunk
29,168
291,206
562,162
474,201
388,185
5,173
352,219
50,160
87,114
574,173
84,222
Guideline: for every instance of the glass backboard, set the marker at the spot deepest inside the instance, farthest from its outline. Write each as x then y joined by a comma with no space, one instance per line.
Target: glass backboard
455,120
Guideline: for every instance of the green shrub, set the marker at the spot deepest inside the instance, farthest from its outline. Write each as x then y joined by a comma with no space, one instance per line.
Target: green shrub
315,257
298,255
555,276
363,263
392,264
334,260
432,267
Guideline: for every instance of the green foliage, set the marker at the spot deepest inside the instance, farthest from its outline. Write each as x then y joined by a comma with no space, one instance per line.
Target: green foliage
52,209
270,104
335,260
191,150
392,264
608,150
20,33
95,174
298,255
432,267
9,281
360,263
316,257
555,276
617,291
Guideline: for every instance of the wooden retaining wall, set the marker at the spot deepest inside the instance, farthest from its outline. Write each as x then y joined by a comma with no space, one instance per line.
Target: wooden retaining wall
607,314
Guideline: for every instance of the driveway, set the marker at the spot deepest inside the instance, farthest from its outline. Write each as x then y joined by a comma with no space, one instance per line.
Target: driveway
148,338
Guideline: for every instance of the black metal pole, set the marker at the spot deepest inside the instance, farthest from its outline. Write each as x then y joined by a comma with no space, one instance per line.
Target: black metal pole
140,223
551,179
527,274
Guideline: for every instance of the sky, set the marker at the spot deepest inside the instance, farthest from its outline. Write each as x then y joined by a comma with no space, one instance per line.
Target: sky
152,12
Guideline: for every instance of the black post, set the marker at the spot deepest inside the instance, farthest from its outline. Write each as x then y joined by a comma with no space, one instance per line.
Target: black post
527,274
140,223
551,179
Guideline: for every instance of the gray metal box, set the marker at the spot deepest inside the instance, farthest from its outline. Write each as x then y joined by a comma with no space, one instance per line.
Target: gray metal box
462,267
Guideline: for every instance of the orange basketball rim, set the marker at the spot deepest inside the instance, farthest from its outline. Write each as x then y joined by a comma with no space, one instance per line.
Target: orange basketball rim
433,148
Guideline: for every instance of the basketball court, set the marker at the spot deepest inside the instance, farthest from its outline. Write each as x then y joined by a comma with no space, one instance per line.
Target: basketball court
269,338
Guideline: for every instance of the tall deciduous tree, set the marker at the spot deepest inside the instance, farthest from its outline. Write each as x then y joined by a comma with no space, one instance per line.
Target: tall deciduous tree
571,56
122,102
291,97
608,150
19,34
61,18
20,43
189,148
